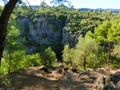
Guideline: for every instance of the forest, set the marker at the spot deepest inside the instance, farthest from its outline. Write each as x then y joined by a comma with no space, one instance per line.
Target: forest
59,48
47,35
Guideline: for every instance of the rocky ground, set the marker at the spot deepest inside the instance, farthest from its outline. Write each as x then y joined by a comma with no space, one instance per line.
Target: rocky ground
42,78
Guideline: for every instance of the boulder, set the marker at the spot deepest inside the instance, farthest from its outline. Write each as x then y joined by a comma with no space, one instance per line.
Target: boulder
101,70
109,87
44,68
118,86
104,83
99,83
115,78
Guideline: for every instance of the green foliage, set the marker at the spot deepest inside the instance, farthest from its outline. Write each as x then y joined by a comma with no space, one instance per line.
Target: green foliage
1,8
4,67
86,48
19,61
33,60
116,56
114,32
91,50
23,11
101,32
14,56
81,22
7,82
106,34
84,54
11,39
43,5
78,23
49,57
68,54
116,51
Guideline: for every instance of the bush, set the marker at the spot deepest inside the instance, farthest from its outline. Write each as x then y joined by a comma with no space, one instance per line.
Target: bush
68,55
49,57
18,60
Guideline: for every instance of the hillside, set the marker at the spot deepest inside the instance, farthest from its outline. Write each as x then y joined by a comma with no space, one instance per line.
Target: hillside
58,26
49,35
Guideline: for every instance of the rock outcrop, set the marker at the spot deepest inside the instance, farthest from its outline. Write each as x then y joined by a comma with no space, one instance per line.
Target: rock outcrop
44,33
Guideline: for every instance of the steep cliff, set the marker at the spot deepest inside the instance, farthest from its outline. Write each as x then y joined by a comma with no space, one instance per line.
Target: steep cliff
44,32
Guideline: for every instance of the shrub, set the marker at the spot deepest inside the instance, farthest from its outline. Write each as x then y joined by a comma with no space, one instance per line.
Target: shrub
18,60
49,57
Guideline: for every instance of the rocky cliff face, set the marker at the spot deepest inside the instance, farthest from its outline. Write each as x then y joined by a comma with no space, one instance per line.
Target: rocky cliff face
68,38
45,32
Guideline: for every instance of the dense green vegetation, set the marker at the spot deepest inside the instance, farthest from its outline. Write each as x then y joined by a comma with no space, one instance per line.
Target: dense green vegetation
97,33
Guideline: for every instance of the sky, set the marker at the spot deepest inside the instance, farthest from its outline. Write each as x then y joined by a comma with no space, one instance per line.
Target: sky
114,4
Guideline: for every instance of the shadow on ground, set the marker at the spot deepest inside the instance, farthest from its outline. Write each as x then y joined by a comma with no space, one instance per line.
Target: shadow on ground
22,80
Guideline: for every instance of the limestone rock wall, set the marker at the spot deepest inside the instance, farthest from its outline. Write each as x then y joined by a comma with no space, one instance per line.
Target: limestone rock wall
45,32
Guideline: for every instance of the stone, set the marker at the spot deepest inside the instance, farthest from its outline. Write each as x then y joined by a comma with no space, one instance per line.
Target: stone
108,87
44,68
1,88
101,70
118,86
104,83
115,78
99,83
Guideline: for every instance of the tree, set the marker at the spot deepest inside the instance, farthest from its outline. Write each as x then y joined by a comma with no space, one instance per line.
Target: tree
84,55
48,57
101,35
4,22
43,5
85,47
11,42
106,34
68,55
5,15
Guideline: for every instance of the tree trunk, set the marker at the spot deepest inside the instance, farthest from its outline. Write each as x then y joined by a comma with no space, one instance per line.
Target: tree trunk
84,63
10,57
3,23
108,58
94,63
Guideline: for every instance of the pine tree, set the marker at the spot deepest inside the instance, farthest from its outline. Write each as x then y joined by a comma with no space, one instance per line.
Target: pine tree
106,34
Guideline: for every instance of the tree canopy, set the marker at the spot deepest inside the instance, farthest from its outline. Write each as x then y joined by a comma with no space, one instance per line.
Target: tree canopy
92,37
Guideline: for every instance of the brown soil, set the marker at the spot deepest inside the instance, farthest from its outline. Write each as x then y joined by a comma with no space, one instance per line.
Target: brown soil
35,79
